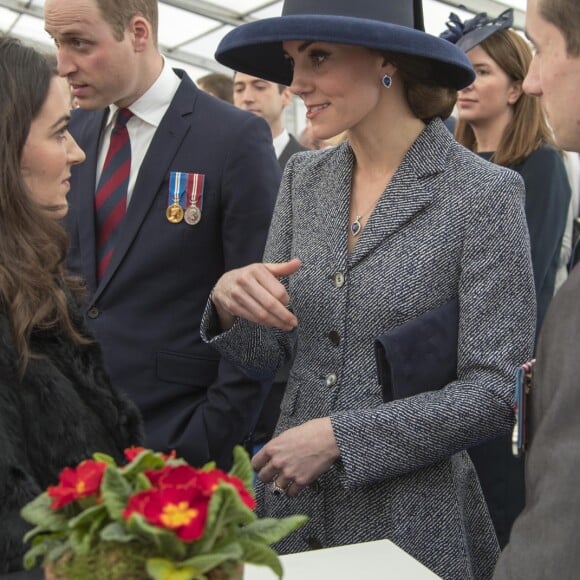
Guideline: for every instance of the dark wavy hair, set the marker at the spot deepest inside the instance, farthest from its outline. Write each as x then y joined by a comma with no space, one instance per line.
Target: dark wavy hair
33,285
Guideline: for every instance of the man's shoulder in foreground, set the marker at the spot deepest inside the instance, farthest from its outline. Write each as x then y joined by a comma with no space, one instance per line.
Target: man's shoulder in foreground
543,541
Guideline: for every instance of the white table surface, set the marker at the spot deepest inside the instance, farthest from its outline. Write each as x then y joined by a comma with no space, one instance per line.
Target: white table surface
371,560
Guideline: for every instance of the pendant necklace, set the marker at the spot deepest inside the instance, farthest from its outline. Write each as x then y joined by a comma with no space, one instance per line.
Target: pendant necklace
356,226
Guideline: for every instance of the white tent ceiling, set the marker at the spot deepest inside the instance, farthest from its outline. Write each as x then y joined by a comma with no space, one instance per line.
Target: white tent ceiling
189,30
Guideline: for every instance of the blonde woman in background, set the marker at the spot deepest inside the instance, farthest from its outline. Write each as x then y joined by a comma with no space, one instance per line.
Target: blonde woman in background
502,124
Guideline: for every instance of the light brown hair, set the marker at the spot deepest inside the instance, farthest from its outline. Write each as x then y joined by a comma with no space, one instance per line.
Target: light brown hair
118,14
219,85
564,15
33,244
528,129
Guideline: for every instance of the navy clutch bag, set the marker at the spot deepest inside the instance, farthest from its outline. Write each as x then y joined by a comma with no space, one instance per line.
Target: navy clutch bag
419,355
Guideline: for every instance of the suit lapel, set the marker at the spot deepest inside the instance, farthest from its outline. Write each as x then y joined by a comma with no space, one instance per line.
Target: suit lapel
156,165
408,192
86,196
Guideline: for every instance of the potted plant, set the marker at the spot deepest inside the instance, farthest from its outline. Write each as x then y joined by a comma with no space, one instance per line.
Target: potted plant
154,517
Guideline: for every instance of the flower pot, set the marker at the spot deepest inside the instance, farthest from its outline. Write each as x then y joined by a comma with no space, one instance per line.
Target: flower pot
121,562
104,561
227,572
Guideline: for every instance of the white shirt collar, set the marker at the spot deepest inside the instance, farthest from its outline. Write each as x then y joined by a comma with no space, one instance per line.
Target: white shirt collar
280,142
152,105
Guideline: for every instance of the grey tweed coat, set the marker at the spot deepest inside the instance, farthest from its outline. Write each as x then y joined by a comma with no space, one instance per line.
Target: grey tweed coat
448,224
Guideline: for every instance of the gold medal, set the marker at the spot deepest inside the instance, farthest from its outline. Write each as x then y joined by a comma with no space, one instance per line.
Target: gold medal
174,213
192,215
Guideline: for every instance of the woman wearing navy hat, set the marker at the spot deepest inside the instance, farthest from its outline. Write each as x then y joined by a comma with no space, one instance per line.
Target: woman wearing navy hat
367,236
502,124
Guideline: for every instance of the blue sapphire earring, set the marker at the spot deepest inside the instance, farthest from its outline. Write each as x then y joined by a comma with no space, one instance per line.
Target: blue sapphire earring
387,81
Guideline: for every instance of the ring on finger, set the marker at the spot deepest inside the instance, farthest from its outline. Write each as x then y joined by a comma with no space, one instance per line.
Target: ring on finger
275,489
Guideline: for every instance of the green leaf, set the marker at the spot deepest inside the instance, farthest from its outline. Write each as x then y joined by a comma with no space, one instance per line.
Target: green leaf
270,530
206,562
261,555
176,461
96,525
33,532
145,460
80,541
225,508
86,518
230,505
47,548
38,551
104,458
166,541
39,513
242,467
115,491
57,550
160,569
84,528
141,483
116,532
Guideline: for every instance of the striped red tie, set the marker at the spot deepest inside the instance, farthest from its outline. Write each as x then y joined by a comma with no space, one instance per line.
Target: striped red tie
111,194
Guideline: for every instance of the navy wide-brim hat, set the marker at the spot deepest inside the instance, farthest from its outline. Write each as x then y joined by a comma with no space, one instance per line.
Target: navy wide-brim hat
396,26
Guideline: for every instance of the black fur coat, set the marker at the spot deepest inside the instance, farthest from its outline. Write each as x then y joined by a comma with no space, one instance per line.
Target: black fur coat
62,412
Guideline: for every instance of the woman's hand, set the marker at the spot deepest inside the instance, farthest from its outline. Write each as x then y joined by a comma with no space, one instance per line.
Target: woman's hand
255,293
297,457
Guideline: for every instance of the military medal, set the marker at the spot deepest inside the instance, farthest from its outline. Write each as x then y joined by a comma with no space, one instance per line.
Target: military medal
174,212
192,215
195,183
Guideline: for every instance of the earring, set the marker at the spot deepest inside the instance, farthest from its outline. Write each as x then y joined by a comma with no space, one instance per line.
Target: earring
387,81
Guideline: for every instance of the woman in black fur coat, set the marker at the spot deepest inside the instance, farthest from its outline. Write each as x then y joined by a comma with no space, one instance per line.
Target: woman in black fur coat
57,406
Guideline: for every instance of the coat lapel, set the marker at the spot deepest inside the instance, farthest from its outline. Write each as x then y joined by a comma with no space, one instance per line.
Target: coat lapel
334,202
156,165
408,193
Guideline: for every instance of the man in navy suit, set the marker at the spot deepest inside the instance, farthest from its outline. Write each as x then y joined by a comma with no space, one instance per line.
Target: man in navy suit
146,303
268,100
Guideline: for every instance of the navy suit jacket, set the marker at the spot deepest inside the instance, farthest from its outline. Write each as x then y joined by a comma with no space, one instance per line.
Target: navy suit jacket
146,311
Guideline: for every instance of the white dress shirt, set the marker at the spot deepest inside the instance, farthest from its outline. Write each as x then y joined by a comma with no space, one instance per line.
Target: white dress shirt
280,142
147,111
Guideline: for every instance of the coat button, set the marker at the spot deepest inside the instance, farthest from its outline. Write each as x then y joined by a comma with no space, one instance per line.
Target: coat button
314,543
93,312
334,337
338,279
331,380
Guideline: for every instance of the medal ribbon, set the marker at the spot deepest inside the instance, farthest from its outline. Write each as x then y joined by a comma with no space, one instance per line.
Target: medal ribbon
195,184
177,183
